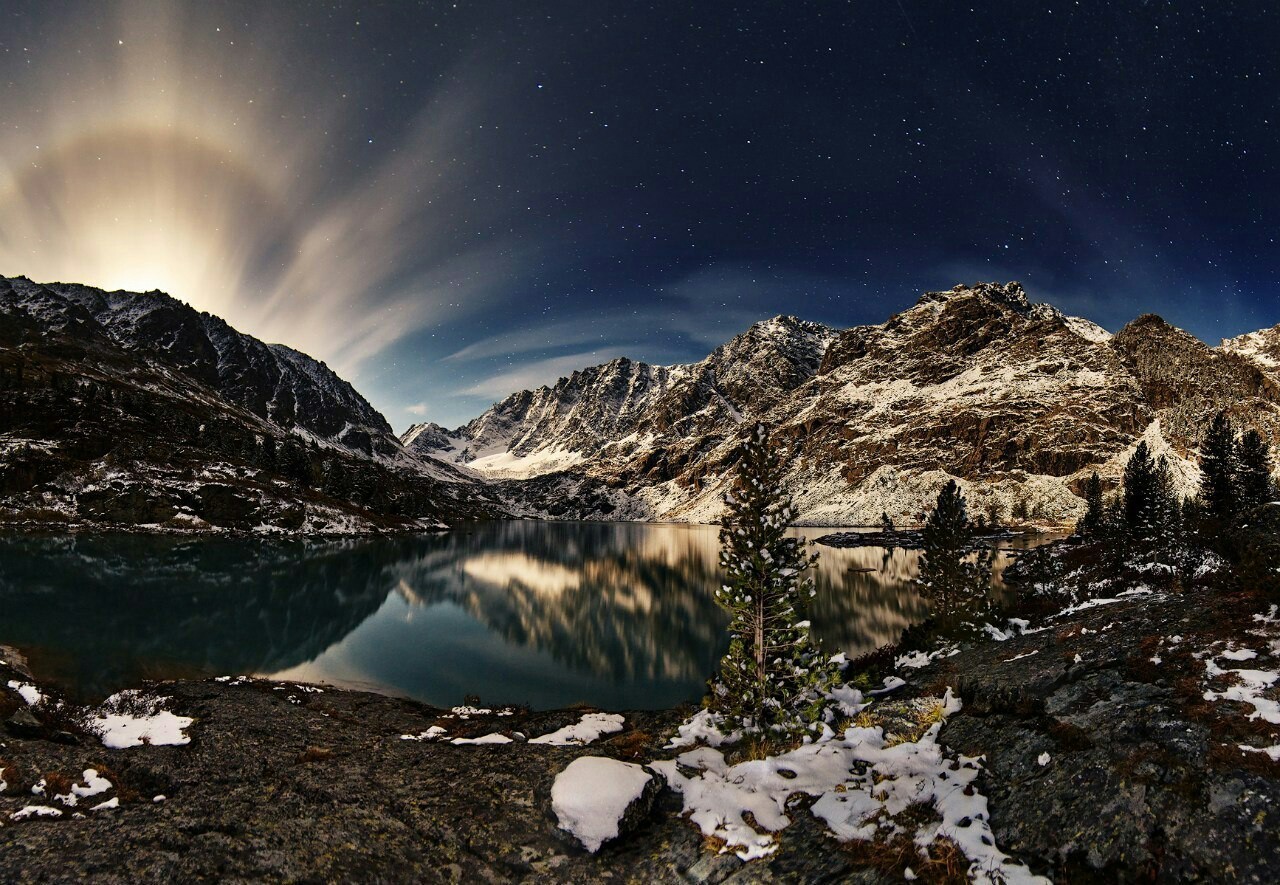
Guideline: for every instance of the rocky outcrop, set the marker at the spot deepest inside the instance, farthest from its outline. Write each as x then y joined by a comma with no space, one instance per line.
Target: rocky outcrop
1103,759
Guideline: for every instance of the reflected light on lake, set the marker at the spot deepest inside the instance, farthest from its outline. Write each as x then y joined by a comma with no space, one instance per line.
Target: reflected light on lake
621,615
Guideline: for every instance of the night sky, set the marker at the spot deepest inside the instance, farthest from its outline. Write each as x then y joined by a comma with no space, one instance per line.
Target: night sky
451,201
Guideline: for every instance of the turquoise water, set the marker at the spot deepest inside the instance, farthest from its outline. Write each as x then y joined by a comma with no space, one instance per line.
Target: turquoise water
615,614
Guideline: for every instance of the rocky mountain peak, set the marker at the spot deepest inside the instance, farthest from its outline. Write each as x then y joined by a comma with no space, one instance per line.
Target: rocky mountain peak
1261,348
1009,294
1186,377
1152,324
426,437
272,381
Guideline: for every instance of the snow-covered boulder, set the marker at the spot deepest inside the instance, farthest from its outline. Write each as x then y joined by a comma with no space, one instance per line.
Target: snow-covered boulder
597,799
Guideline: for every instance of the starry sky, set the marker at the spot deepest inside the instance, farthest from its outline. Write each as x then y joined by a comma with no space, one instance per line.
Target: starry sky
448,201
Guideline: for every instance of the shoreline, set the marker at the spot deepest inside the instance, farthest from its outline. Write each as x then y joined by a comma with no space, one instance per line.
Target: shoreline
284,780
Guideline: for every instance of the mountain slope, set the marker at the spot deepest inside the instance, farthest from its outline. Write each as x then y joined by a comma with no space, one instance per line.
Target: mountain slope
272,381
1017,400
613,413
126,409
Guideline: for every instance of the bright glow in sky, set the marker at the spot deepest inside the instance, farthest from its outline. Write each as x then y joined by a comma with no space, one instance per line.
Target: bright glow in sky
448,202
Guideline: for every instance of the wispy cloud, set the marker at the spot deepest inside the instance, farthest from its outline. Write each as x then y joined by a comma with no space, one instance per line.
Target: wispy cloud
537,373
264,201
564,333
690,317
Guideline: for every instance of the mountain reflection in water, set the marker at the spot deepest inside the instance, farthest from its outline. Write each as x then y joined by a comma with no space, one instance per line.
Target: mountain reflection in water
614,614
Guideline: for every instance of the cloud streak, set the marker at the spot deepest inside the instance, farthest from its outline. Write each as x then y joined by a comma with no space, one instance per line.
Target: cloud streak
185,156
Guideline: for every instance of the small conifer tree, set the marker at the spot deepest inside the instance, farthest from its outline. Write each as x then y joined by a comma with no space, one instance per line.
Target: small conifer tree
1254,471
1218,470
772,677
886,524
1091,524
1141,499
956,582
1168,509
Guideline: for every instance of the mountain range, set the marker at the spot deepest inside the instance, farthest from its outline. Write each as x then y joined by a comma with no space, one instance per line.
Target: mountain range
135,409
1018,401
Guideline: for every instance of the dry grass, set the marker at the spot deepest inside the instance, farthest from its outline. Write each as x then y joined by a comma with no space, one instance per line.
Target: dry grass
1230,756
756,747
633,744
13,776
942,863
313,754
56,782
1070,738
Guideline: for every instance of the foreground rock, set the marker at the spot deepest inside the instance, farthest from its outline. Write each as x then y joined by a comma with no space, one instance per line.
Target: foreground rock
1105,761
280,782
1112,742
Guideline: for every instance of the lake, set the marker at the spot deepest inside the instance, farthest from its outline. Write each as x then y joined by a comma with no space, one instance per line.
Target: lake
620,615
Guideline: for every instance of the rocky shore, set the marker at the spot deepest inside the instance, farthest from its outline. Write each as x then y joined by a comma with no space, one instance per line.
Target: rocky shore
1125,739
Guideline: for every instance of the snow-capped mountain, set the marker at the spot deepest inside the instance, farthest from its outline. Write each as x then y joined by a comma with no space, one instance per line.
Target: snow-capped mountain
1016,400
1261,348
119,408
613,413
272,381
125,408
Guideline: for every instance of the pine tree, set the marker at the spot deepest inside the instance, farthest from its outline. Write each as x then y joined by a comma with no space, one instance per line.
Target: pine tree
1141,501
1253,461
1218,470
886,524
1168,507
772,676
1091,524
955,582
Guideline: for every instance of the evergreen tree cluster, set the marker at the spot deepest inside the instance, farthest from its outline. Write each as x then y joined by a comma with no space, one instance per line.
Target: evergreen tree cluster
1147,518
1147,511
954,578
1235,473
773,675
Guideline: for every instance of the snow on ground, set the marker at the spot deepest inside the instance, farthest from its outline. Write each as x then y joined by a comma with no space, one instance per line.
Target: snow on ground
29,693
861,780
494,738
916,659
1257,687
587,729
1249,688
592,794
466,712
701,728
35,811
94,785
433,733
507,465
127,719
1106,600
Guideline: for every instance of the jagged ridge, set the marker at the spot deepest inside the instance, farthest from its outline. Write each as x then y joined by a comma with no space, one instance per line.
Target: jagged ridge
1017,400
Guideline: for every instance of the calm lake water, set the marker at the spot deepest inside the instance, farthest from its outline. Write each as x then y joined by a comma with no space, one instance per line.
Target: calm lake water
615,614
